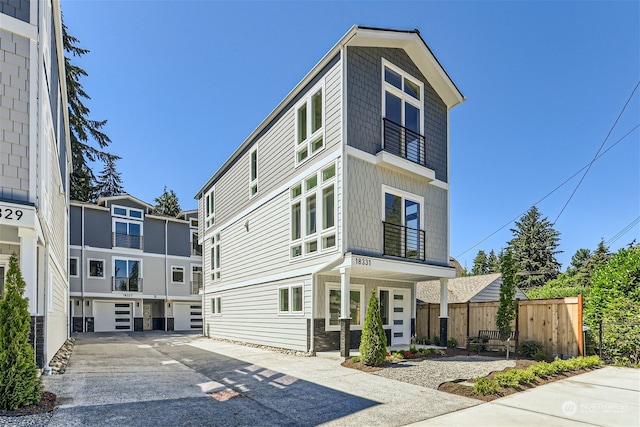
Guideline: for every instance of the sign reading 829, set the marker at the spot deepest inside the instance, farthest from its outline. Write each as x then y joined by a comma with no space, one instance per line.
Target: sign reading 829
11,213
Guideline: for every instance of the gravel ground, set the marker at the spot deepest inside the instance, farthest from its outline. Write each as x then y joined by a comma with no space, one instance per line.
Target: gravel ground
35,420
433,372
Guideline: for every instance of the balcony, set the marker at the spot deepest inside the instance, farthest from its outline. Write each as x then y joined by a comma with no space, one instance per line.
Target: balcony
196,249
127,284
196,287
403,142
131,241
403,242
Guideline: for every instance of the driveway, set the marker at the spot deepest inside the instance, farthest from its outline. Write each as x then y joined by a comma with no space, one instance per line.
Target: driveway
172,379
165,379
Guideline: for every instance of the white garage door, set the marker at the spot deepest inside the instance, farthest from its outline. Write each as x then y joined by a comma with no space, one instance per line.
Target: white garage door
112,316
187,316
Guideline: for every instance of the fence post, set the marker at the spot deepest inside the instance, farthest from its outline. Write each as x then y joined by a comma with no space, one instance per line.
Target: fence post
429,321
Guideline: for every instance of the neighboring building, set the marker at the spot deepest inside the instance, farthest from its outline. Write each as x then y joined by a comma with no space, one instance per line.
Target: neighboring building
480,288
34,165
131,270
342,190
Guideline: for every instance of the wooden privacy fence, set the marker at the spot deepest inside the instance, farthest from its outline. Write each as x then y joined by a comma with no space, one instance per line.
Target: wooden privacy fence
556,323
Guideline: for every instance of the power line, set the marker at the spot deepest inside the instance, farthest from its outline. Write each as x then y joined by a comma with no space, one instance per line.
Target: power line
553,191
622,232
598,152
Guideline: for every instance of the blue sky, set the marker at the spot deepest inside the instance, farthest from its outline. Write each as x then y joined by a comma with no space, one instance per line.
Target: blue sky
183,83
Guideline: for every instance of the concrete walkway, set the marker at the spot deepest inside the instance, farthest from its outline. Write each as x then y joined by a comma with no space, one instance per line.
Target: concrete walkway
166,379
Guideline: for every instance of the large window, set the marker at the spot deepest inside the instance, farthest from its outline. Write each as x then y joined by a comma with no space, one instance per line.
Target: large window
334,301
127,234
402,224
310,125
290,299
210,208
216,306
127,275
214,257
313,213
253,173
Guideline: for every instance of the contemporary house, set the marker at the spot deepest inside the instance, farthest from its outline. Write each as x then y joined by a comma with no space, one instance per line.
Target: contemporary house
343,190
481,288
131,270
34,165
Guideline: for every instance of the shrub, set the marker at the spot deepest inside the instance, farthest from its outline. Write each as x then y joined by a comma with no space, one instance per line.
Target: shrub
413,349
373,344
355,359
541,355
525,376
507,379
20,384
435,340
485,386
529,348
452,343
398,355
542,369
425,341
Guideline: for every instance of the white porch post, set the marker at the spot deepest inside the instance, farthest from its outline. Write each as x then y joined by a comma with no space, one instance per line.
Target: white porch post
29,266
345,312
444,310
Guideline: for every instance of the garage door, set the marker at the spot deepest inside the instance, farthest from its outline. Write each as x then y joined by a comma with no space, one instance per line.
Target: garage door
112,316
187,316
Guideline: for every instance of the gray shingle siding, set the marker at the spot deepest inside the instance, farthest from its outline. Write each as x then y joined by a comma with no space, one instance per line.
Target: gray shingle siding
364,105
18,9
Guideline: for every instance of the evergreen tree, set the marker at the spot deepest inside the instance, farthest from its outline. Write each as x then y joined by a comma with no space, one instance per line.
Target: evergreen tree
373,343
480,264
167,204
493,262
534,247
578,261
82,128
508,304
20,384
109,180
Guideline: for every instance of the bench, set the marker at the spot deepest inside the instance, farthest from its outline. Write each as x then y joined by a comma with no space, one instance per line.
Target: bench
486,339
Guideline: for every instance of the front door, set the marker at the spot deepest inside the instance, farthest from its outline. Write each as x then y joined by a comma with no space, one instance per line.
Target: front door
400,317
146,317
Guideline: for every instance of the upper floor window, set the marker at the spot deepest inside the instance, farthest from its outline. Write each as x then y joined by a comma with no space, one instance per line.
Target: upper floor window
127,234
126,212
73,267
313,213
253,173
127,275
210,208
310,124
214,257
193,223
402,224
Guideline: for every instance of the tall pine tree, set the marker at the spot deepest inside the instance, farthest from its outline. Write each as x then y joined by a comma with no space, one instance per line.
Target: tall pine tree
109,181
83,129
167,204
493,262
534,247
20,384
480,264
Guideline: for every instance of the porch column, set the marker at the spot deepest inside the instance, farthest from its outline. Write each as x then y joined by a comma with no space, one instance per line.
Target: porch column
345,312
29,266
444,310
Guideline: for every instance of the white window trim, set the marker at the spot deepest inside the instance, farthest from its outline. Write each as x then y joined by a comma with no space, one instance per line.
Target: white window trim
184,276
77,266
290,312
104,265
191,223
209,200
128,214
215,248
363,304
404,195
320,232
320,133
215,301
418,103
126,258
127,221
254,182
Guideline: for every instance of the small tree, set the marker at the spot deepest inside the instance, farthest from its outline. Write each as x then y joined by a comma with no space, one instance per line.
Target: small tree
167,203
20,384
373,344
508,305
109,181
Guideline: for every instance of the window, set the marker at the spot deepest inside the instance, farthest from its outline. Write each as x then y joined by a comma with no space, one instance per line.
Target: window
126,212
196,248
356,306
216,306
210,208
96,268
73,267
127,275
177,274
193,223
310,125
402,219
253,173
402,100
290,299
313,213
127,234
214,257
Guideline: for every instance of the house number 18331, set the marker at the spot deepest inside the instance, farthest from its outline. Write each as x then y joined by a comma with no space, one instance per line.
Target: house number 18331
362,261
8,213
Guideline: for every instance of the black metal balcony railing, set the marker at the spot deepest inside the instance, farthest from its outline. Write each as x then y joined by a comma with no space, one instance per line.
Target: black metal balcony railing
122,240
196,287
127,284
403,242
404,142
196,249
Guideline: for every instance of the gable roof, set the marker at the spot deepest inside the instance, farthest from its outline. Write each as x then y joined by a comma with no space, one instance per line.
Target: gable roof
102,201
461,289
409,40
